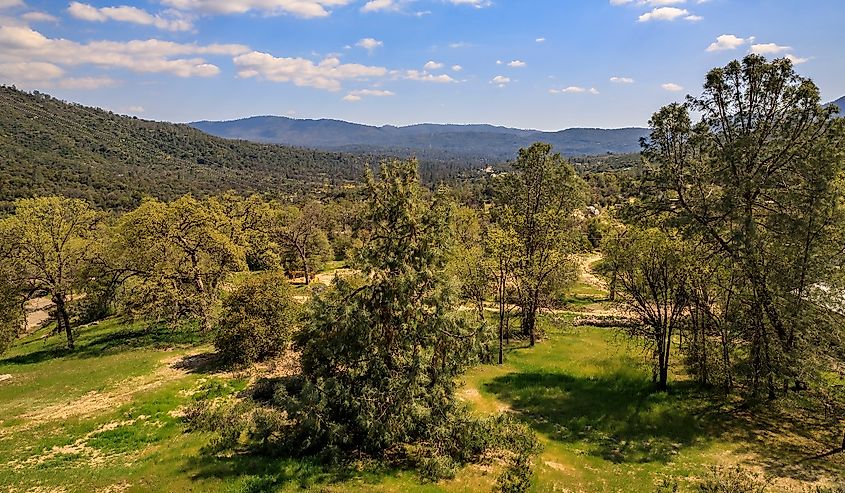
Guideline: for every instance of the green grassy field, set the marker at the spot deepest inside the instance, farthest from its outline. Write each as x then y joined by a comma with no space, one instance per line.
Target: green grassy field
106,418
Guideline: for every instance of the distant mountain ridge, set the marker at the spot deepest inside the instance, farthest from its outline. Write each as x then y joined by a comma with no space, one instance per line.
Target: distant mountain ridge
487,143
841,103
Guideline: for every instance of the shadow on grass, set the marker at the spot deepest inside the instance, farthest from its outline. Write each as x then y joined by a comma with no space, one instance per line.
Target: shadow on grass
259,473
95,341
619,416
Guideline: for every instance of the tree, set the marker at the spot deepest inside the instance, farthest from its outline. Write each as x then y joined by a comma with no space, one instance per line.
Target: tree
380,353
297,232
258,319
51,239
179,254
500,248
756,178
652,273
537,202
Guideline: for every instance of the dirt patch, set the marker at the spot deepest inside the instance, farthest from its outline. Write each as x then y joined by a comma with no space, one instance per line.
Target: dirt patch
588,275
5,377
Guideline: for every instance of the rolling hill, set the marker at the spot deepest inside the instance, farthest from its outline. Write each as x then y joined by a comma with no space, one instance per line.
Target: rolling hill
48,146
481,143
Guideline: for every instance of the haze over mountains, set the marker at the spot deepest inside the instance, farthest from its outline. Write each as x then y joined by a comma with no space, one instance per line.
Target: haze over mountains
485,143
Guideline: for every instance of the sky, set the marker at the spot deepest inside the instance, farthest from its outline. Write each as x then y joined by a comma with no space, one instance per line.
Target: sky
540,64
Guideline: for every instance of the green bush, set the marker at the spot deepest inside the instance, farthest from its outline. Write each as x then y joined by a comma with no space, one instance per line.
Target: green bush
258,320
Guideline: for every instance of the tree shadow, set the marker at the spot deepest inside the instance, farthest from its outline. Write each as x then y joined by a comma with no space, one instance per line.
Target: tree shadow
94,342
623,419
620,417
263,473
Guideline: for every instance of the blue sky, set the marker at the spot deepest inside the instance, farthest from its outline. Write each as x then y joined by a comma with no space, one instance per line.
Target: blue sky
546,64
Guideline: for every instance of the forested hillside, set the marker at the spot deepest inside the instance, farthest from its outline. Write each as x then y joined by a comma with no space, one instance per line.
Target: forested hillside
50,147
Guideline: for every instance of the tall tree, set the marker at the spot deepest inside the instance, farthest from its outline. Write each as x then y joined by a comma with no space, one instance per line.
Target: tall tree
51,239
755,177
380,353
652,272
537,202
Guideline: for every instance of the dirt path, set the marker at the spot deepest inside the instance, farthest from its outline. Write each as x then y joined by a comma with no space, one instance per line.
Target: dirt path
588,275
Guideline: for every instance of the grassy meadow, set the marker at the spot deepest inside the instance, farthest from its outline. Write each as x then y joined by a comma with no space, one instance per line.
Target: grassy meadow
106,417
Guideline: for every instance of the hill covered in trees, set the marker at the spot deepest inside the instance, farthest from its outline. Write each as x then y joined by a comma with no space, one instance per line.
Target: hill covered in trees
50,147
485,143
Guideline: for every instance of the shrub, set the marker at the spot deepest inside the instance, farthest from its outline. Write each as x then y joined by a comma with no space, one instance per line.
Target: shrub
258,320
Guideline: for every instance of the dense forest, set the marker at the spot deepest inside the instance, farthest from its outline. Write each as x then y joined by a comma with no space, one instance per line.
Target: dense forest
720,247
50,147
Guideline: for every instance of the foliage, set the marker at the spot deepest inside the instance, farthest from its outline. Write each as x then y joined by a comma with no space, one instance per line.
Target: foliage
179,254
258,320
50,240
757,181
537,202
652,270
50,147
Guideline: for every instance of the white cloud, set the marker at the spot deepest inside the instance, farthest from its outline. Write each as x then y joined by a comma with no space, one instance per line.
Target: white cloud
369,44
768,49
479,4
423,76
135,109
795,59
574,90
360,94
87,83
517,64
457,68
432,65
7,4
23,44
459,44
728,42
300,8
380,5
540,40
500,80
672,87
622,80
328,74
668,14
39,17
30,71
86,12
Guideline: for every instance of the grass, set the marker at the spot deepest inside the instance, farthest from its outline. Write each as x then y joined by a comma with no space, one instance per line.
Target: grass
107,416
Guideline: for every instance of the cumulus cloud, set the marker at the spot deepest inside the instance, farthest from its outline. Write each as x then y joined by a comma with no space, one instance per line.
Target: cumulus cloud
517,64
369,44
728,42
500,80
134,15
7,4
668,14
672,87
23,44
39,17
796,60
768,49
300,8
360,94
457,68
380,5
328,74
540,40
432,65
621,80
424,76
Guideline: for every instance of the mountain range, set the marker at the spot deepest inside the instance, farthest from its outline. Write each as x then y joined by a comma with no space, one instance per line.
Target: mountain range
432,142
841,103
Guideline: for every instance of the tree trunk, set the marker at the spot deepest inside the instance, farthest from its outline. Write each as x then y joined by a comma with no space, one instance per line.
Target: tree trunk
63,318
305,269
